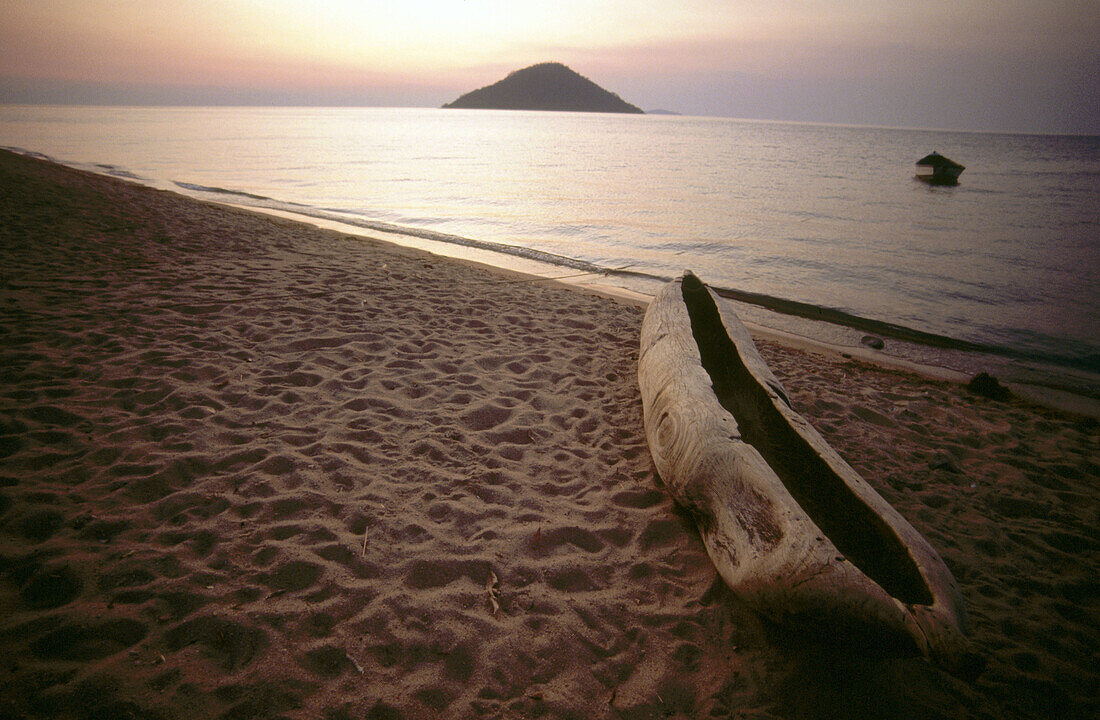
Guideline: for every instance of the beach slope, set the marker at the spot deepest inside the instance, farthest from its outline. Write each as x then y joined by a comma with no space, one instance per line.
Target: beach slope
254,469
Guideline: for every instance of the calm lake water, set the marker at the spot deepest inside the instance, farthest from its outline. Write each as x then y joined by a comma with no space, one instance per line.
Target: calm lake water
1004,266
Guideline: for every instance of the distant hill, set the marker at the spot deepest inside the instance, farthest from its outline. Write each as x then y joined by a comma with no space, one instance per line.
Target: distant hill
661,112
546,86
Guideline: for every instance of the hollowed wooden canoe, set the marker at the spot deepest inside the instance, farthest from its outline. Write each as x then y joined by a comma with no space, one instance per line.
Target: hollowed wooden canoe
790,526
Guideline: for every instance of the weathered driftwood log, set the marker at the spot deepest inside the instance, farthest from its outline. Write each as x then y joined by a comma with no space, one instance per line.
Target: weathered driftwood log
790,526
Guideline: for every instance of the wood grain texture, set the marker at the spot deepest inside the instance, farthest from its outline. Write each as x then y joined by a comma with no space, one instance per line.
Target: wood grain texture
789,525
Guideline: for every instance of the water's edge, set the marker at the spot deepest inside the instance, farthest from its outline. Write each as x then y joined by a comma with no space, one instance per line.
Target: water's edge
831,328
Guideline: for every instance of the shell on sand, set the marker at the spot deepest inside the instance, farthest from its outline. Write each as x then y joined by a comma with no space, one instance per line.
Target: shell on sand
789,525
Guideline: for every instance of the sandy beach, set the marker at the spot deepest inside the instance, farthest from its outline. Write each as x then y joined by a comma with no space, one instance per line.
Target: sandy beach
250,468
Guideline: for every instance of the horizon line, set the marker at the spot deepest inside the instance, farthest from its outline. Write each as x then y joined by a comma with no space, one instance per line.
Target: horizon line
663,112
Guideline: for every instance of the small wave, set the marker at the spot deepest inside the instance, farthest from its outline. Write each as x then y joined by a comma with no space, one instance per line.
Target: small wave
840,317
116,171
218,191
26,153
1042,351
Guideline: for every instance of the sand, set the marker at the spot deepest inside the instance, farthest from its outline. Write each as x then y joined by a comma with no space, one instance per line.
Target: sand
252,469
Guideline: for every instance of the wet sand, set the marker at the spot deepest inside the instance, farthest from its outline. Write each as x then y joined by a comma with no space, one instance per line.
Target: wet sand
251,468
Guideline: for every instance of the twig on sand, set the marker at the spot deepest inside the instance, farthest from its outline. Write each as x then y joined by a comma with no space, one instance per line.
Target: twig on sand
493,593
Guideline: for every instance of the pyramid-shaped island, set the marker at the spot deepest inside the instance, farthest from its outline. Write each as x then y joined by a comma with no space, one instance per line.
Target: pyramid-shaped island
546,86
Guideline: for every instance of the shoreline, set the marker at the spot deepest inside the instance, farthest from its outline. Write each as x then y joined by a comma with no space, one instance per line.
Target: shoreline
1057,386
253,468
1042,395
940,300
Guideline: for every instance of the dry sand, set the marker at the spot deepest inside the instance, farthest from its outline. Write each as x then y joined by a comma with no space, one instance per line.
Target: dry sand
253,469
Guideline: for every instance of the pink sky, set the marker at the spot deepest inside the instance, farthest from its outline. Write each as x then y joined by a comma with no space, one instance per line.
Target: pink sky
972,64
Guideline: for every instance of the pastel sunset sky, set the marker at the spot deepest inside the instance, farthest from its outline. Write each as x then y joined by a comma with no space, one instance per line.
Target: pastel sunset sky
968,64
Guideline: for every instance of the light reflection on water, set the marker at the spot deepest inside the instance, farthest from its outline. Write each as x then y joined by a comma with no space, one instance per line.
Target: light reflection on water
825,215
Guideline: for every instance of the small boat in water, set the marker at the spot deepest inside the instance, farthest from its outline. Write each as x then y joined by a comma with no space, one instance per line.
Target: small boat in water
938,170
790,526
